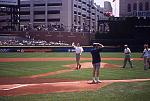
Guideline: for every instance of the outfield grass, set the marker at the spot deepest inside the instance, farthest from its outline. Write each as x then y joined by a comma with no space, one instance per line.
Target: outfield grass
137,91
62,54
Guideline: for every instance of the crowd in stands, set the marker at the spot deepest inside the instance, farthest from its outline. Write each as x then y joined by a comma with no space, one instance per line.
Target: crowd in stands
28,42
53,28
50,28
43,28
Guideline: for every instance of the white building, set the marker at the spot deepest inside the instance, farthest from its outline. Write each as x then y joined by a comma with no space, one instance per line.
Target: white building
70,15
107,6
140,8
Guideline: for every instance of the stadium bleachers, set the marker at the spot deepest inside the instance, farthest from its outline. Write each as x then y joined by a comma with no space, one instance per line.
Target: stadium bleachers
20,41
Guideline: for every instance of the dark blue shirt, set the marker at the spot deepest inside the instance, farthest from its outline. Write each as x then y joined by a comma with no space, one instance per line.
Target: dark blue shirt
96,57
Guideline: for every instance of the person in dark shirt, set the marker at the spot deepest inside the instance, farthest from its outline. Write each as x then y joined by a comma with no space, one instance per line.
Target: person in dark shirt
96,60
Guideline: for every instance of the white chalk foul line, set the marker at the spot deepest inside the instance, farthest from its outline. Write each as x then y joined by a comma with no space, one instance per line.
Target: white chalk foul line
15,86
6,89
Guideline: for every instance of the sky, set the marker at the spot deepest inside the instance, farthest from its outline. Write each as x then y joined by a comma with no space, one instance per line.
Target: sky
115,5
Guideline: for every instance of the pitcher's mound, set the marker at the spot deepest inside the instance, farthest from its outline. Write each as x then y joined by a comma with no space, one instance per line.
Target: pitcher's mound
89,65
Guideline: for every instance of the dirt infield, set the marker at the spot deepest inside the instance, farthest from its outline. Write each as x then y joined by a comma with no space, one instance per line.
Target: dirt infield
44,88
36,85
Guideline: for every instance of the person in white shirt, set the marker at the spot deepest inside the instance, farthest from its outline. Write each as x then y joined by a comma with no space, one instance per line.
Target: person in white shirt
146,56
127,57
78,51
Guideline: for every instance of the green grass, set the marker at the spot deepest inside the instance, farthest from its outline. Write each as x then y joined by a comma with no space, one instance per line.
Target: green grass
38,55
62,54
105,74
137,91
16,69
109,73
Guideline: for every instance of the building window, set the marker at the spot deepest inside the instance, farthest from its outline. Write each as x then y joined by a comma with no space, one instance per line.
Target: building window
135,6
147,6
129,7
79,0
54,4
39,12
75,5
84,2
54,12
93,7
79,19
75,12
88,11
79,6
39,20
24,13
24,20
39,4
93,13
88,5
75,19
83,15
25,5
79,13
140,6
53,20
88,17
84,9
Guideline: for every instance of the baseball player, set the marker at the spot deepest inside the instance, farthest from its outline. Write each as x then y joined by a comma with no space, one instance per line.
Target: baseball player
78,51
127,53
146,56
96,61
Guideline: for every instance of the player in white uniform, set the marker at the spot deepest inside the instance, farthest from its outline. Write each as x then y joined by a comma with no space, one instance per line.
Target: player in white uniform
127,57
78,51
146,56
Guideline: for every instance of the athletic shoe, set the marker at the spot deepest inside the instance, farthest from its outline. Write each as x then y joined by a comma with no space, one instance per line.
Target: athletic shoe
94,81
99,81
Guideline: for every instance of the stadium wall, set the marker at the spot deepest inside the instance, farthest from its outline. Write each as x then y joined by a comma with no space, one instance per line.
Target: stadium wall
6,49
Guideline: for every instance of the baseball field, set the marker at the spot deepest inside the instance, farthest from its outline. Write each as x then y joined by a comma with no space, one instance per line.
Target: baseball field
53,77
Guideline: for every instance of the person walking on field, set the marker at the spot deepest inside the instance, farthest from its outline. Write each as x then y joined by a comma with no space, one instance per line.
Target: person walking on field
127,53
78,51
96,61
146,56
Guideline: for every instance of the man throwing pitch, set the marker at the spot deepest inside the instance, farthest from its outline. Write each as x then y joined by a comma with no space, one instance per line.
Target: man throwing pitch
96,61
78,50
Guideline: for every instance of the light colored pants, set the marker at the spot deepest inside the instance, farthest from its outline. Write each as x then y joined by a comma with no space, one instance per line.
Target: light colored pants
78,58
